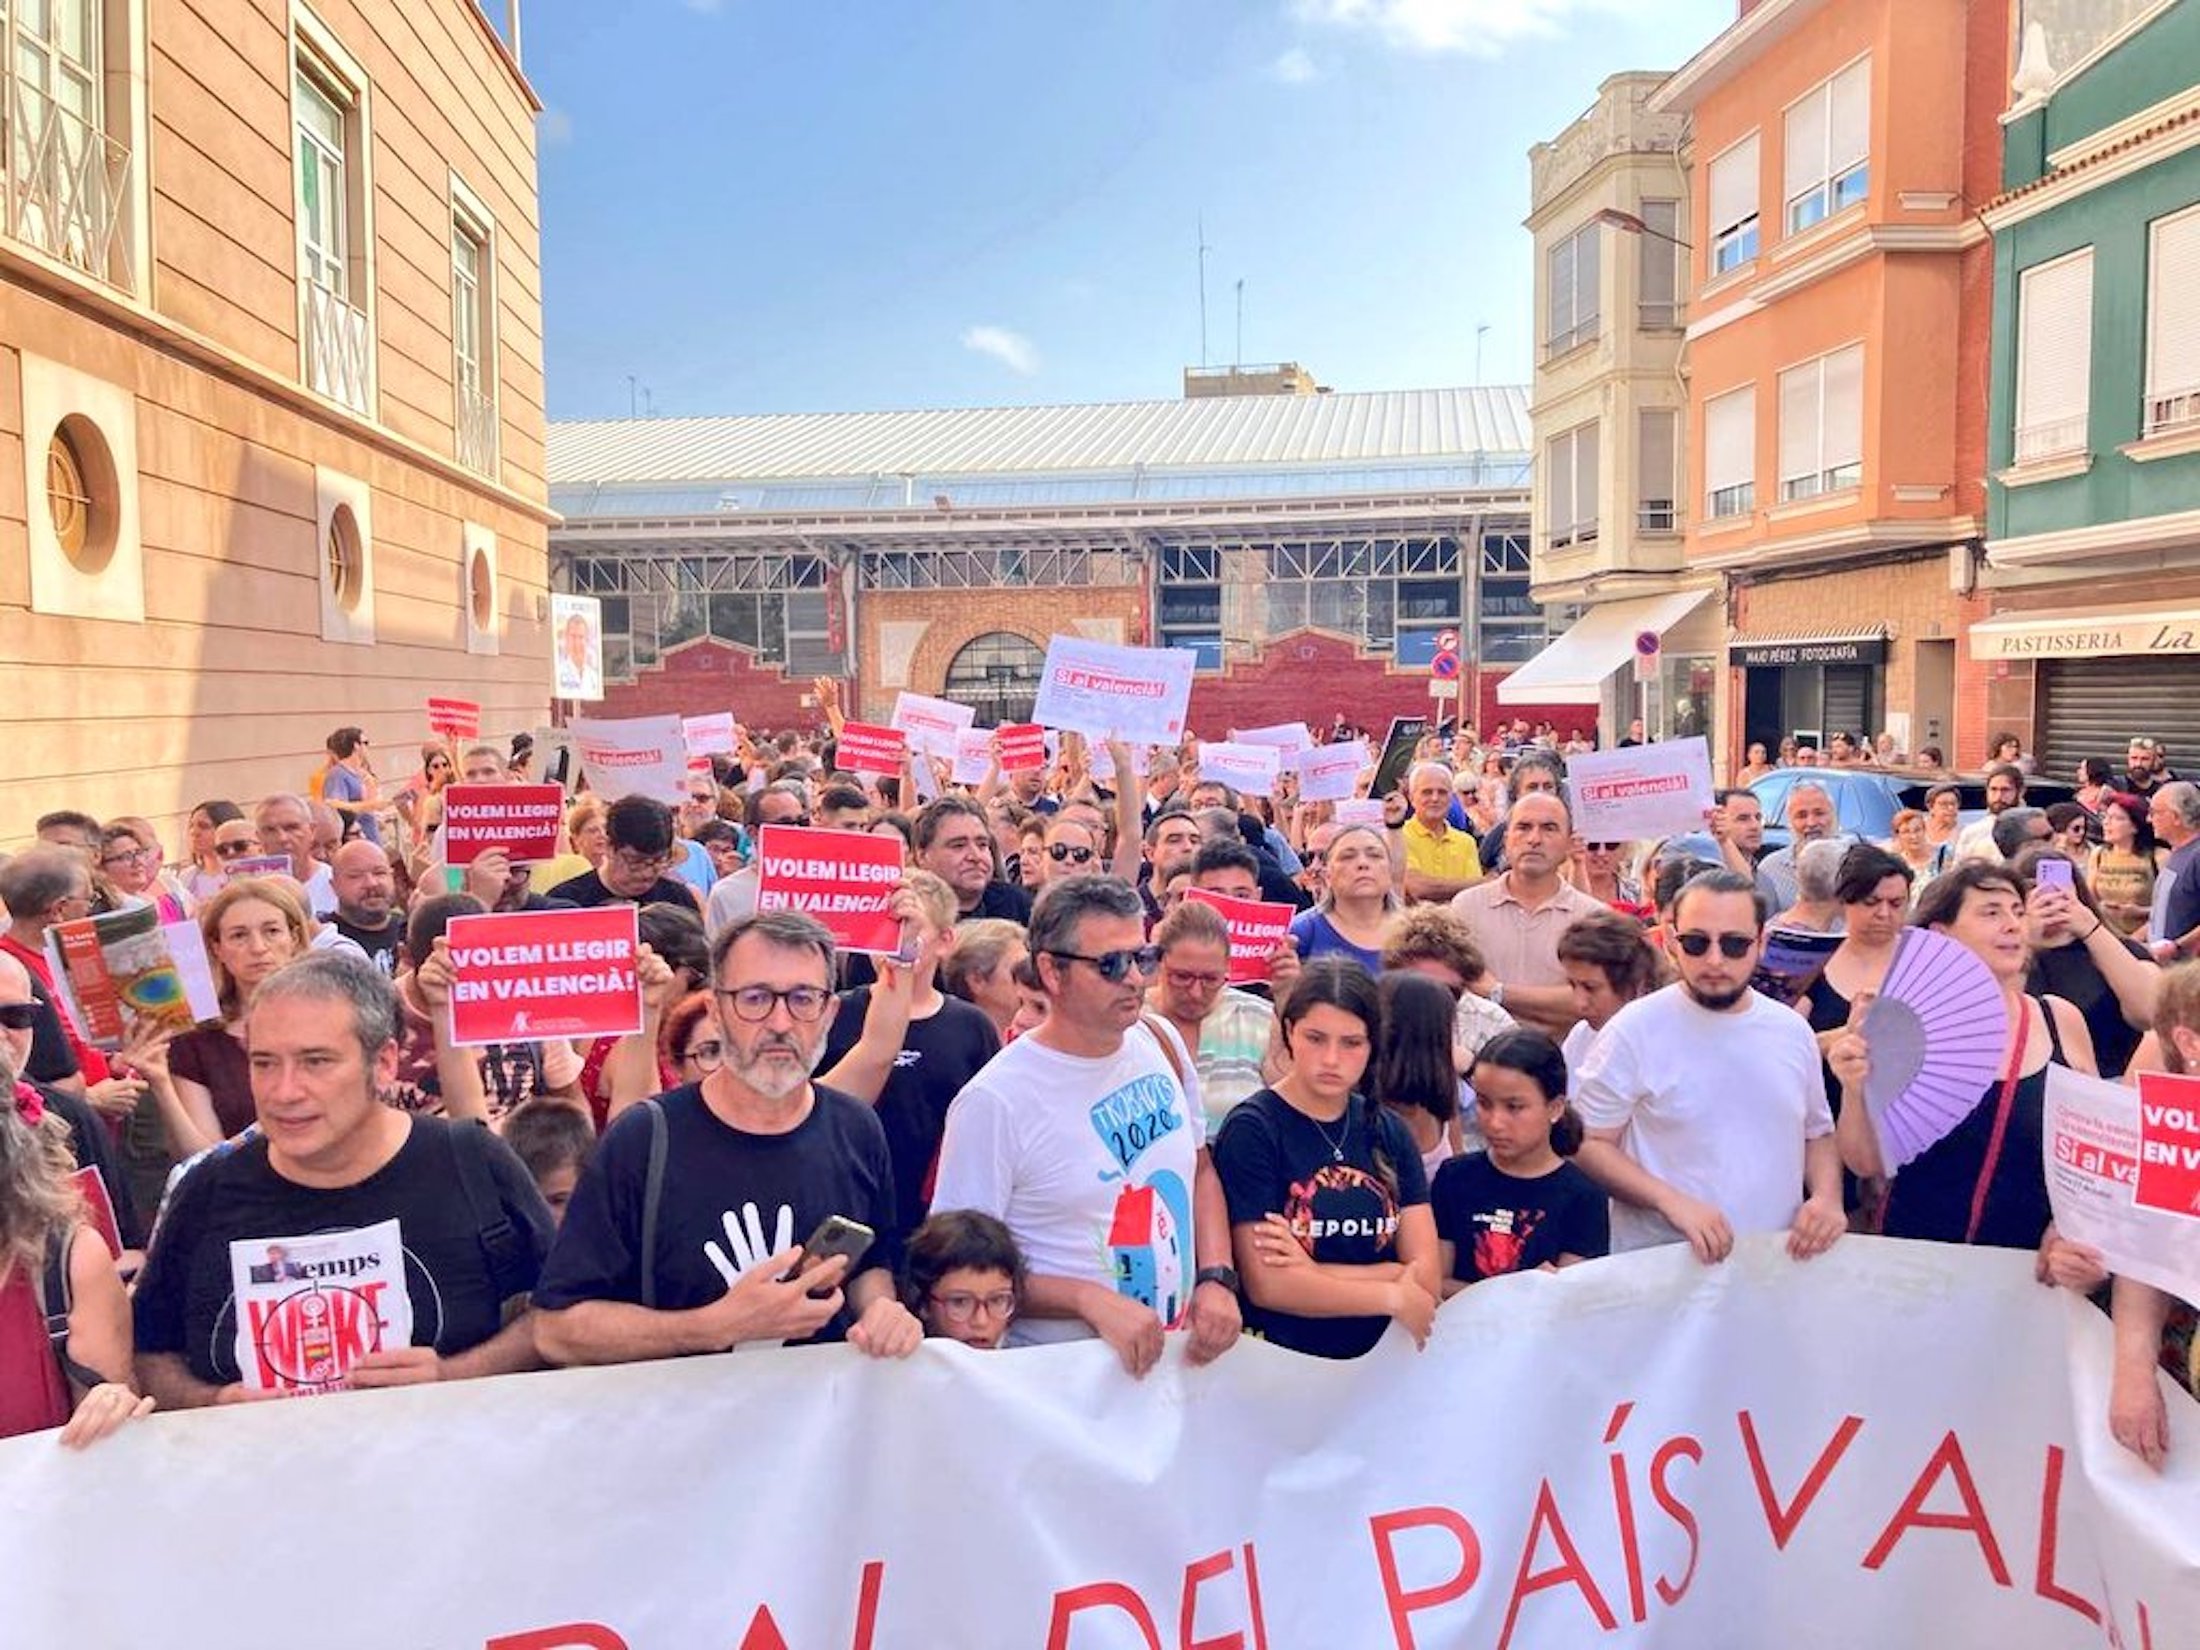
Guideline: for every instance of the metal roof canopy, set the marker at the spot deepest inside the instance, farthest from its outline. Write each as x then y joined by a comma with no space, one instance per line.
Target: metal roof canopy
1246,432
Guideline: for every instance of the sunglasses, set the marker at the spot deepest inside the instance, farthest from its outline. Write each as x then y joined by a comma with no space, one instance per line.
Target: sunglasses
1061,851
1733,947
235,850
18,1016
1115,966
1602,847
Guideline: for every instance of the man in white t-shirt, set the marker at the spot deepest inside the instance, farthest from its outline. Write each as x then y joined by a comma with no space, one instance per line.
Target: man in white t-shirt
1705,1103
1085,1137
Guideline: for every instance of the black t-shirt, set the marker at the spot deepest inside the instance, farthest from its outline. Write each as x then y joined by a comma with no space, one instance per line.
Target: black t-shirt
185,1303
1274,1159
380,944
588,890
2069,972
1498,1223
1000,899
939,1054
834,1162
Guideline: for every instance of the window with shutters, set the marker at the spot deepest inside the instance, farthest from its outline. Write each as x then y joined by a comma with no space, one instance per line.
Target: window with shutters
1572,493
1733,207
473,330
1827,162
1730,454
2173,324
330,143
1658,302
1657,470
2054,357
1822,425
1574,299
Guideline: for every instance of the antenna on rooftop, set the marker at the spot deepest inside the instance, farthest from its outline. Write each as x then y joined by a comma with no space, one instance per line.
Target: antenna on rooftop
1237,359
1203,289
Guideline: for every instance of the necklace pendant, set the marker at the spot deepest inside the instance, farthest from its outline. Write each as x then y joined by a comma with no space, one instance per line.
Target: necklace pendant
1336,1154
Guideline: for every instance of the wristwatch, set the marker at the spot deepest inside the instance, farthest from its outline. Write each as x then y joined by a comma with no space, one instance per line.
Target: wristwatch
1224,1275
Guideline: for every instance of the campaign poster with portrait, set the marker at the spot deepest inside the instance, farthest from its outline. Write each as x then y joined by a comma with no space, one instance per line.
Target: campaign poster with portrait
576,646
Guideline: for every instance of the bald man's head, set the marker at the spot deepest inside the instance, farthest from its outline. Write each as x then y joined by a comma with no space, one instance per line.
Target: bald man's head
365,888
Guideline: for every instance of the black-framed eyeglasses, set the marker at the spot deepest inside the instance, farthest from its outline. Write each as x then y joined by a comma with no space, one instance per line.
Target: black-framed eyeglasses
1733,947
18,1016
708,1056
1060,852
754,1003
1115,966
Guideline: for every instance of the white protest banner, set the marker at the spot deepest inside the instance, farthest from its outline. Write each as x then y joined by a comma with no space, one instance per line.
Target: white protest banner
931,724
1257,927
973,756
1285,736
708,735
1641,791
2092,1140
1678,1464
1251,769
308,1308
640,756
1331,773
1100,688
1360,810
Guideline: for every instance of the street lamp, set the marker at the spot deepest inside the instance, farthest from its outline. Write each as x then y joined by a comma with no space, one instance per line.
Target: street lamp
1628,224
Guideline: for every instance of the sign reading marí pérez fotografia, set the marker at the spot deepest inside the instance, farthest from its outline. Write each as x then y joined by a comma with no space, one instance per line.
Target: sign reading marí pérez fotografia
1851,650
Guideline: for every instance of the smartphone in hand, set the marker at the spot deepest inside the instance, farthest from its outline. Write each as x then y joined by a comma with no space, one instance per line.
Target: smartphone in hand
836,1235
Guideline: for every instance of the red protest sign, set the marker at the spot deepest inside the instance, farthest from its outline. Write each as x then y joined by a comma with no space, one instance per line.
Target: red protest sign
455,718
1023,746
520,819
534,974
845,879
1256,929
2169,1143
865,748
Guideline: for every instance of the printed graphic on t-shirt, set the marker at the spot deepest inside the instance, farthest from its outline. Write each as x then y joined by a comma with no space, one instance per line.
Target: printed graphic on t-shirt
1342,1203
1501,1238
746,1247
1149,1238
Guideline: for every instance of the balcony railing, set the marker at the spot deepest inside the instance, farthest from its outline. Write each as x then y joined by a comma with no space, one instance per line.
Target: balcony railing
67,186
2172,411
477,430
1657,516
338,349
2037,443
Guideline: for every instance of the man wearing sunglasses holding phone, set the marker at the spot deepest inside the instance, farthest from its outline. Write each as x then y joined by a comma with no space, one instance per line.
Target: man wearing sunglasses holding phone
1086,1139
1705,1103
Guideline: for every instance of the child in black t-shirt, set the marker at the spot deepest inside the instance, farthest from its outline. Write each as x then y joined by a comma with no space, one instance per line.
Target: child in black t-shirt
963,1275
1518,1204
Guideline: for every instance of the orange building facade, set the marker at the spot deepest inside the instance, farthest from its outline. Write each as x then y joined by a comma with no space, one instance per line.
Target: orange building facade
1837,353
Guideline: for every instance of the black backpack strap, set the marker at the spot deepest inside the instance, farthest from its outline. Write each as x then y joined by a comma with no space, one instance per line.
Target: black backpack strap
653,1197
511,1258
57,1299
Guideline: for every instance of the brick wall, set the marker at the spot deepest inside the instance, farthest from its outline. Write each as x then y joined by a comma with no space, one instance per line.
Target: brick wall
1312,675
952,619
707,675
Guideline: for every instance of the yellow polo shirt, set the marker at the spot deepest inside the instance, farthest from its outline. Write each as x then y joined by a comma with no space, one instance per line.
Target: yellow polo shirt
1452,856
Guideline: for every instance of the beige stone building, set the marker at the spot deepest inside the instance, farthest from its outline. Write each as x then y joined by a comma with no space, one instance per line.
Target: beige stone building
271,399
1607,202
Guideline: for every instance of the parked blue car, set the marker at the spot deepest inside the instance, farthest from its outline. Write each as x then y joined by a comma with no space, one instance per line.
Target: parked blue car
1865,801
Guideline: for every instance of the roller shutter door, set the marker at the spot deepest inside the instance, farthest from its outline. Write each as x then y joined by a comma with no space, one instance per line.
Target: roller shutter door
2093,707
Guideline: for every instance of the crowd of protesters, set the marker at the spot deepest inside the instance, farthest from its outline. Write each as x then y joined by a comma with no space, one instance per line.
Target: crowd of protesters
1487,1046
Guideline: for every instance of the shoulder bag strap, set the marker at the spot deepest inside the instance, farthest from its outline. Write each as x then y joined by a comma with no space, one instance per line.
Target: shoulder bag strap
2009,1082
653,1196
1168,1046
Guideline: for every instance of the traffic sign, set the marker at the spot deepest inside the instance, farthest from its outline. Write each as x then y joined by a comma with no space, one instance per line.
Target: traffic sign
1444,667
1447,641
1647,647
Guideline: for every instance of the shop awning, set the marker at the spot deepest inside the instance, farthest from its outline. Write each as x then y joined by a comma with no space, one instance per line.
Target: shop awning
2083,633
1837,645
1571,671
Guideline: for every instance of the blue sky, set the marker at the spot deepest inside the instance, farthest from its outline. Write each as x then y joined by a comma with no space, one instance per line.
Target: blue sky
799,205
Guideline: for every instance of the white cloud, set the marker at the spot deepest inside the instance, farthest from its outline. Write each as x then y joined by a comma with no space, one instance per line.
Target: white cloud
553,128
1475,28
1012,349
1295,67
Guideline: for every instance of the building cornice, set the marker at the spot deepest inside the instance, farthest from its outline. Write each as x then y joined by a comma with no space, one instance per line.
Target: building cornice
1730,52
2101,539
1801,551
2174,128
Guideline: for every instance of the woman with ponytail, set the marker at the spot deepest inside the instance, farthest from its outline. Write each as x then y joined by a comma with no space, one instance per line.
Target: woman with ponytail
54,1272
1328,1201
1518,1205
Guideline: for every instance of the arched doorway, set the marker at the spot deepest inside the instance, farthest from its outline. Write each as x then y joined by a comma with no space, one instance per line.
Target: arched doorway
997,675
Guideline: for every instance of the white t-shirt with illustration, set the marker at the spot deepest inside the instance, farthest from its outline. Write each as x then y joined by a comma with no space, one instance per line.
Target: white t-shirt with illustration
1089,1162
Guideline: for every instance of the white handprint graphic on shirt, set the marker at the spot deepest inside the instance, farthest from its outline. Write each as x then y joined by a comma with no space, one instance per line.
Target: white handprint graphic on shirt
748,1250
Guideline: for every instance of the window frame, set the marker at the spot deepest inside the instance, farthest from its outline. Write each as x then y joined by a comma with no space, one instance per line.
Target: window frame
1659,253
1734,243
318,56
1823,478
2079,422
1739,498
472,220
1581,328
1833,192
1581,529
2181,402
